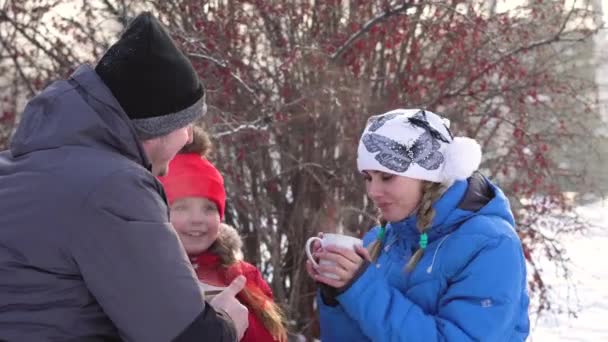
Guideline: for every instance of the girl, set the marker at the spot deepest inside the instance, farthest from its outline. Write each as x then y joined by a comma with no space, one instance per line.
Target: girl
445,264
196,196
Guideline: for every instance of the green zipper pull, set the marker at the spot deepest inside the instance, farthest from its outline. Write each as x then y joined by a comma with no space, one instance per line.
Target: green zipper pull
424,240
381,233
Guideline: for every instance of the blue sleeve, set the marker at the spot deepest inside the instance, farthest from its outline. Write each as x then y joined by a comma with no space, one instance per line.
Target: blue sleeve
481,303
336,325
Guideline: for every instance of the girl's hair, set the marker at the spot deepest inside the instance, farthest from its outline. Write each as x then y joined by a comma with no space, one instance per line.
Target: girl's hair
431,192
266,309
201,143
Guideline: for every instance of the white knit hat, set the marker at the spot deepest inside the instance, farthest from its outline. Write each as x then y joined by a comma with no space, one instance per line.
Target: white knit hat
418,144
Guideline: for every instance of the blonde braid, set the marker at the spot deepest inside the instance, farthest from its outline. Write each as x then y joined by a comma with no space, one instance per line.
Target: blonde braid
376,247
430,193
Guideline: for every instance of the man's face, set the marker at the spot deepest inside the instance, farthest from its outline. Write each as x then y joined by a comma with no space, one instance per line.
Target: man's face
161,150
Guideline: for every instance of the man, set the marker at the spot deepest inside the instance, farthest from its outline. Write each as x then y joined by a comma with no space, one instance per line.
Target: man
86,249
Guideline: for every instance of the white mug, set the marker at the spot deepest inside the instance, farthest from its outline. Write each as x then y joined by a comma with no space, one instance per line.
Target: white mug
331,240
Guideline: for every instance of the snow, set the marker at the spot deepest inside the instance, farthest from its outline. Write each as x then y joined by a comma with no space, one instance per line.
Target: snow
589,255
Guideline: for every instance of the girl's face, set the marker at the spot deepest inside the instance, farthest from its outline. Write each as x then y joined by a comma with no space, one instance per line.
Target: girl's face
396,196
197,222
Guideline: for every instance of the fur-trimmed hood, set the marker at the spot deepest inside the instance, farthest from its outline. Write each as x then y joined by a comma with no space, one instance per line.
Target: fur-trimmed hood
230,240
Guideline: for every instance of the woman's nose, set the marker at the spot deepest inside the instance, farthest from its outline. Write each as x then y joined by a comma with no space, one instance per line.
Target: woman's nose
374,190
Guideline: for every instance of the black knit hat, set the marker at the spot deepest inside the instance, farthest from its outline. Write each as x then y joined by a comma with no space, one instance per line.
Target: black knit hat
152,79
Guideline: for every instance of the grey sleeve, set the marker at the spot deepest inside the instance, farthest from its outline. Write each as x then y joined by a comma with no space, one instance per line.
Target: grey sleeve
214,326
133,264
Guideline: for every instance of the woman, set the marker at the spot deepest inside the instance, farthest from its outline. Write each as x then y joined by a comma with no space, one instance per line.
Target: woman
445,264
196,196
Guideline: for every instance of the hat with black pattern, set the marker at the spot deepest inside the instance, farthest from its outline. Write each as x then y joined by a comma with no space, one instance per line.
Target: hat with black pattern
418,144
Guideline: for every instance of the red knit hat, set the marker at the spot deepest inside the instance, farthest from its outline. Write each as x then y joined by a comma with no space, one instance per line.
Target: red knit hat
191,175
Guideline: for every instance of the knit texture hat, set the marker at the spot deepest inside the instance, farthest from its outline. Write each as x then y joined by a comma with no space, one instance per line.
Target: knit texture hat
152,79
417,144
191,175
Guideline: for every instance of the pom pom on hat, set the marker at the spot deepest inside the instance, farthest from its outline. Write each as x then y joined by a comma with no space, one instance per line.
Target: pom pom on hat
462,158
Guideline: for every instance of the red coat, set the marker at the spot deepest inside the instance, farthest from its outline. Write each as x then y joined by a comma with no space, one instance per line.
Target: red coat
209,270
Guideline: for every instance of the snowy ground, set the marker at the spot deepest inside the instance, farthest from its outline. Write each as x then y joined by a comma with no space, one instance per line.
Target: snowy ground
589,255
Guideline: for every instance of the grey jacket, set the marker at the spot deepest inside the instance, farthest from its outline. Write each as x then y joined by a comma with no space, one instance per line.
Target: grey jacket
86,249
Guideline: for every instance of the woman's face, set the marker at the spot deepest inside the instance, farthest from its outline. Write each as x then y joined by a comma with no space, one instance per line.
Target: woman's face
396,196
197,222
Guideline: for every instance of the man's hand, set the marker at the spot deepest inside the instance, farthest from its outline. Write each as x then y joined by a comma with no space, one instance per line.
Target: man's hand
226,301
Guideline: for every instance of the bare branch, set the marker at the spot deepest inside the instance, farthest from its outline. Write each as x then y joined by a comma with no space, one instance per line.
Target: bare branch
367,26
13,56
537,44
63,62
260,124
224,64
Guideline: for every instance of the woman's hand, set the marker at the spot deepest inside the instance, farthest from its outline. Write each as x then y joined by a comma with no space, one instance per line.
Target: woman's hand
344,263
